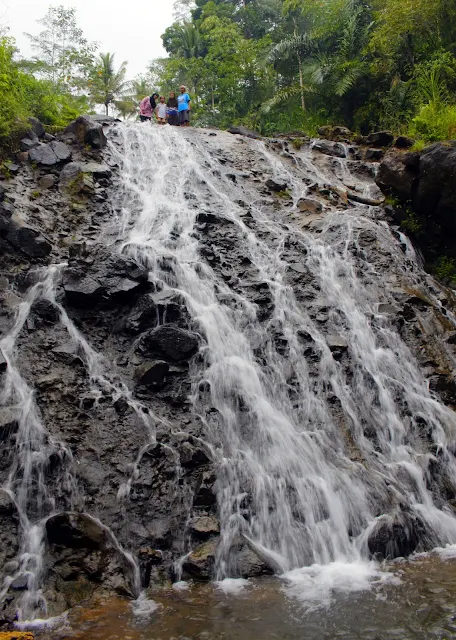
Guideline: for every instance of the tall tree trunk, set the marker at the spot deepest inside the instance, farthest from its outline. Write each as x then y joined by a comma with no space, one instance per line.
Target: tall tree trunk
301,82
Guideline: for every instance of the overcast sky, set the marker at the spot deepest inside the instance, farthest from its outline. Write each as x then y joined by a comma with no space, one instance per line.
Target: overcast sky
131,30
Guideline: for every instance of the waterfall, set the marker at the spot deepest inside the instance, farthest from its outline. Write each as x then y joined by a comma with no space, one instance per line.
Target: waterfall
316,414
310,457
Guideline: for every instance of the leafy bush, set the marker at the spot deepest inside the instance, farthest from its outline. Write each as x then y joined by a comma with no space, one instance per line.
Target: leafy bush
435,122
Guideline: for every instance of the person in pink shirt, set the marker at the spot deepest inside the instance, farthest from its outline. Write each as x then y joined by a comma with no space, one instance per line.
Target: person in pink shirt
147,107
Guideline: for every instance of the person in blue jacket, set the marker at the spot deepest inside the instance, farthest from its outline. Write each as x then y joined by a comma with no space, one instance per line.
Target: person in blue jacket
183,107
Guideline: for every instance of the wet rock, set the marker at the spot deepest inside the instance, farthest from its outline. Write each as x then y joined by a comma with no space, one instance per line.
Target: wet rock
404,142
76,530
37,128
395,536
151,373
171,342
80,176
109,280
29,143
336,342
46,311
374,155
151,309
276,186
11,168
435,195
306,205
204,526
396,177
51,154
47,181
248,562
337,134
24,238
243,131
199,565
7,506
3,363
205,496
20,583
328,148
211,218
88,131
380,139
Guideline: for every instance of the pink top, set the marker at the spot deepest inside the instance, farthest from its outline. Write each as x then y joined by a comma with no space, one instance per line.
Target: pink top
145,108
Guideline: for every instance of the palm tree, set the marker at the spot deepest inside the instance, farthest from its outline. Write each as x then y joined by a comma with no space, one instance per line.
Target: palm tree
107,84
300,47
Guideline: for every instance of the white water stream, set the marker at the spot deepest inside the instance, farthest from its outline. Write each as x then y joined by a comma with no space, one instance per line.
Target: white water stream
288,480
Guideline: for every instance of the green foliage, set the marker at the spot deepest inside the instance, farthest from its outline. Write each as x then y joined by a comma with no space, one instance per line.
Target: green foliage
412,224
108,85
445,269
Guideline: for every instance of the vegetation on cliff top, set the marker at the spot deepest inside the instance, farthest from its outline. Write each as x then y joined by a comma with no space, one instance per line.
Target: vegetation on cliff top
274,65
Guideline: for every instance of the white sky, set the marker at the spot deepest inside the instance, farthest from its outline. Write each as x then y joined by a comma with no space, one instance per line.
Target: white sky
131,29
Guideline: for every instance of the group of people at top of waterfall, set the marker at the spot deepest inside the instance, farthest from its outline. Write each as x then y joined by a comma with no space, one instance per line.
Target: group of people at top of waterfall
174,111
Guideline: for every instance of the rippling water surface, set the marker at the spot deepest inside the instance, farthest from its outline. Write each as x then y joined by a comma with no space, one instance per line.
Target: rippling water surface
417,602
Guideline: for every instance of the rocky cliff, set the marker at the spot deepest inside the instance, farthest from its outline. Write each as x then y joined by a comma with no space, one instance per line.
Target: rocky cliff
179,351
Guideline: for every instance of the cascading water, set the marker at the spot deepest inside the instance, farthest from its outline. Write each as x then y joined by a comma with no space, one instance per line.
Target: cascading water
288,483
321,426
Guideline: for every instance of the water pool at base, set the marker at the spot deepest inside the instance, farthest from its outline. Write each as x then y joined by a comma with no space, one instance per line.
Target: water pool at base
418,603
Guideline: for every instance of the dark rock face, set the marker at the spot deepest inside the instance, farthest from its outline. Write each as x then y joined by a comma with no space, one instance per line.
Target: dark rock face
151,373
51,154
335,149
109,279
374,155
243,131
21,238
29,143
380,139
337,134
276,186
3,363
427,182
171,342
395,537
397,176
404,142
37,128
88,131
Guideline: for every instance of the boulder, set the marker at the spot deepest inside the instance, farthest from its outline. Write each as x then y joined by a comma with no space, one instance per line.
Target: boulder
397,175
50,154
78,177
7,506
374,155
395,536
46,311
435,195
200,563
151,373
307,205
109,279
275,186
404,142
76,531
243,131
29,142
337,134
152,309
37,128
3,363
204,526
21,237
47,181
87,131
328,148
336,342
380,139
170,342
